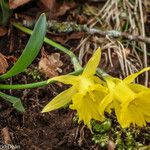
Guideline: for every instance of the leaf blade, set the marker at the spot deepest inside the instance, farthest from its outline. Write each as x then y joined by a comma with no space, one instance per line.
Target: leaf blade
6,12
31,50
16,102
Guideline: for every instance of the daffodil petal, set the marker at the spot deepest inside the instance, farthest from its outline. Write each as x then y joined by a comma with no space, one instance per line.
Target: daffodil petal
60,100
111,82
131,114
92,64
99,81
76,100
132,77
136,111
138,88
122,92
147,118
66,79
124,116
142,102
105,103
138,117
87,109
99,87
97,92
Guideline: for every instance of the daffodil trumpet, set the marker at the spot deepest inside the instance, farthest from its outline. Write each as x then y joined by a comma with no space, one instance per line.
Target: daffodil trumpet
86,92
130,101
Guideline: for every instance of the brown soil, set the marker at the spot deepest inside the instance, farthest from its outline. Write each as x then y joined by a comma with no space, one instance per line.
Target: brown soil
33,130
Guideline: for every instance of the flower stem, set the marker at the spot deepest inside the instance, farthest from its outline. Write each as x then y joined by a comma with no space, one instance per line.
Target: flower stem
33,85
23,86
101,73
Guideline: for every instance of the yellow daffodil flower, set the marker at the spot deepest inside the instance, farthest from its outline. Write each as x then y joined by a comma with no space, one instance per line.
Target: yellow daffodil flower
130,101
86,92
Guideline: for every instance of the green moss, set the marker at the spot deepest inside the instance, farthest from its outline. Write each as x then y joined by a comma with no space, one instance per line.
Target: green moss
101,127
101,139
33,73
133,138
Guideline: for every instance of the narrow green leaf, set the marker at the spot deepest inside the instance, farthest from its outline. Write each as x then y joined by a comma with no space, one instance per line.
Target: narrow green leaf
31,50
17,104
6,12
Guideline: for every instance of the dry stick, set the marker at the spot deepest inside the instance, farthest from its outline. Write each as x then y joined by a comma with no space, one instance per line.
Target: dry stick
144,45
67,27
116,34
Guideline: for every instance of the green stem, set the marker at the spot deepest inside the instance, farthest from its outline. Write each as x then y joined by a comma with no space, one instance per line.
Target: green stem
32,85
17,104
101,73
73,57
23,86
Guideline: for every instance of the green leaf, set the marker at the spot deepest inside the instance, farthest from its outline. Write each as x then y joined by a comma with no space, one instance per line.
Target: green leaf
31,50
6,12
17,104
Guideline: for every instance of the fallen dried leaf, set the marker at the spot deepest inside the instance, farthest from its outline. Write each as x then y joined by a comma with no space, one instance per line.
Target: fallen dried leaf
49,4
56,9
75,36
49,64
81,19
64,8
3,64
59,38
16,3
63,38
11,59
3,31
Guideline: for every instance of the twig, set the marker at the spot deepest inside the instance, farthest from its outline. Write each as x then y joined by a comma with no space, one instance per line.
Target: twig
143,44
68,27
117,34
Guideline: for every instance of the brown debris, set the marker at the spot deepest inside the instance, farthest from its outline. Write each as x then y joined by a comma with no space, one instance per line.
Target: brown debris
55,9
64,8
49,64
3,64
111,145
11,59
6,135
75,36
49,4
62,38
50,7
81,19
3,31
16,3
